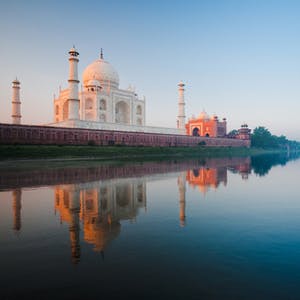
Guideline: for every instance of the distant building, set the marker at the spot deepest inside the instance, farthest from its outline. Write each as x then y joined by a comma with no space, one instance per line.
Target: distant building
205,125
244,133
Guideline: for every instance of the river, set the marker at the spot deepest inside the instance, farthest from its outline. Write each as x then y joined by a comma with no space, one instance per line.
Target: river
198,229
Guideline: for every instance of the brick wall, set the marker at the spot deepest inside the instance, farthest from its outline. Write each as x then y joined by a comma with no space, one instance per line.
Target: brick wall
47,135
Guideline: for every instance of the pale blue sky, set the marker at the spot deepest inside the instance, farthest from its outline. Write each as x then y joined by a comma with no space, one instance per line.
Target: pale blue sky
239,59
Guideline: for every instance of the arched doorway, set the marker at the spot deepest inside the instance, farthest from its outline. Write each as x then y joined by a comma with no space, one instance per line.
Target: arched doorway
122,112
123,195
89,103
207,135
138,110
102,104
196,131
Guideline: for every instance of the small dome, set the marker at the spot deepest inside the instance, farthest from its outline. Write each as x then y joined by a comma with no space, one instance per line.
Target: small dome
203,115
73,51
101,71
16,81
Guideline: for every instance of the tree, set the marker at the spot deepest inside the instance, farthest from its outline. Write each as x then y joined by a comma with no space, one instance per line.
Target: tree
233,133
263,138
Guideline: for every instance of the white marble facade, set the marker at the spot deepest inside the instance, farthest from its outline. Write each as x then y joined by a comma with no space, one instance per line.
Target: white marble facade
101,104
101,100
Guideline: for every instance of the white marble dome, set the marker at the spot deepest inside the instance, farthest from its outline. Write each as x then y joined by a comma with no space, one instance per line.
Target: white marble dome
102,71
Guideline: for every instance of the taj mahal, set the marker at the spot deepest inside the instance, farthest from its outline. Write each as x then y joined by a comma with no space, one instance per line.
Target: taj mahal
101,103
112,114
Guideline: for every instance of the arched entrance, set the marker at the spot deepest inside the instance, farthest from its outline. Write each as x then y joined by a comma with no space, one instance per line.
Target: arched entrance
207,135
122,112
196,131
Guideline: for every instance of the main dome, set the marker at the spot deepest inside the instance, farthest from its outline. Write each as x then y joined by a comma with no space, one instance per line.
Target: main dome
102,71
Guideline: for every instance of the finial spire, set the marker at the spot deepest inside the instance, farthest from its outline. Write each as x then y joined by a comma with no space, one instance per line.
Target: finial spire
101,54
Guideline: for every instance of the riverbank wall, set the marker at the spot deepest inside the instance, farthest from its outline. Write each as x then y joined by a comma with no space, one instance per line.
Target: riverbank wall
11,134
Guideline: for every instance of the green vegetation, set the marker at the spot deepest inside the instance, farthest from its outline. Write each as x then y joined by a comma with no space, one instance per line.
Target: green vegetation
114,152
262,138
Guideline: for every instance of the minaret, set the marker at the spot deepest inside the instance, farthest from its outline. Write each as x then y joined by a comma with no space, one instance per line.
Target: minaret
182,188
181,104
73,100
16,103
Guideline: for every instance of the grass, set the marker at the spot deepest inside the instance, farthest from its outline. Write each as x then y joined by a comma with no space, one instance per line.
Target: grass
13,152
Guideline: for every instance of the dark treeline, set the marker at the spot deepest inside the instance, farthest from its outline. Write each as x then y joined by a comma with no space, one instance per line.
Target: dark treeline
262,138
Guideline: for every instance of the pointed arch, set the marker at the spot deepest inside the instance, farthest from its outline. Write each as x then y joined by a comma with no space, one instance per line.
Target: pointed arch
122,112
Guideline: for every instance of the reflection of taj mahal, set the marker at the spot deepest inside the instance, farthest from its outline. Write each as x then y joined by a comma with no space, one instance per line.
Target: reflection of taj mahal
95,209
99,207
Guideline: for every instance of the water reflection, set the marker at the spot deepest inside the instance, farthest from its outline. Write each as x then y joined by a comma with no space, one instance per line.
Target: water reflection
98,207
95,199
16,200
229,233
262,164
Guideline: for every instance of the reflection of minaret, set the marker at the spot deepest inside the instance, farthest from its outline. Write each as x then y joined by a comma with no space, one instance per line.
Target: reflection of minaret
181,186
74,227
16,194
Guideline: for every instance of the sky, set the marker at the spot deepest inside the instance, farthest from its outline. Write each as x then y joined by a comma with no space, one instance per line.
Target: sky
239,59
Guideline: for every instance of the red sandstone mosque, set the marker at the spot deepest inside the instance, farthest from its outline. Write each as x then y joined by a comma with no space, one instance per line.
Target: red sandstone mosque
204,125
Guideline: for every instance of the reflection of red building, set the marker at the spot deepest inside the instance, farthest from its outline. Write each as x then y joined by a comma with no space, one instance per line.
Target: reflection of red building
204,178
243,168
207,126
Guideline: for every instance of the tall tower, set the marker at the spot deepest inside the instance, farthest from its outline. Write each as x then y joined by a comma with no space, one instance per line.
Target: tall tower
16,103
181,110
73,100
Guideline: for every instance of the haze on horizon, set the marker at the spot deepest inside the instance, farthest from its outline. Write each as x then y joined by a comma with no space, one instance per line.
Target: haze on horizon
238,59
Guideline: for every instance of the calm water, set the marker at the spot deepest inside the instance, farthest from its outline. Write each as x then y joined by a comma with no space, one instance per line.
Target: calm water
207,229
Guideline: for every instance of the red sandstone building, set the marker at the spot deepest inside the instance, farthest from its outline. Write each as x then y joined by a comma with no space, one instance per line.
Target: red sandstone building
207,126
